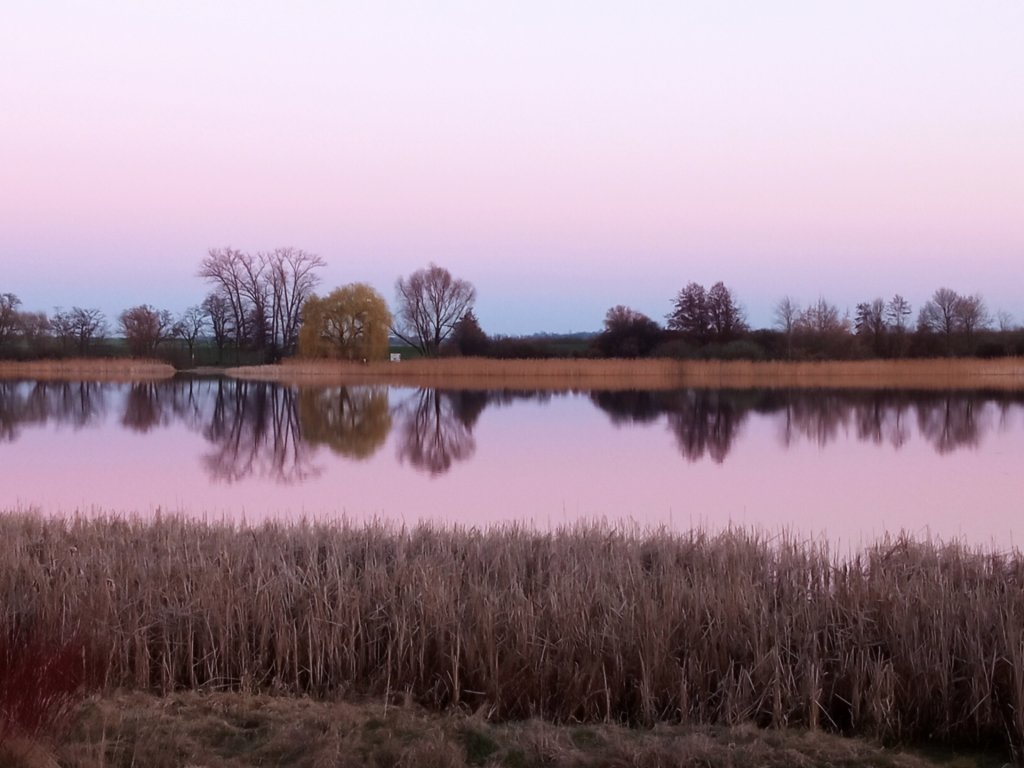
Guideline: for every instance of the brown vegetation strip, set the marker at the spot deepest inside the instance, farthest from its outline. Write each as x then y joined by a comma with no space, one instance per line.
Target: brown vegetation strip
561,374
88,369
904,640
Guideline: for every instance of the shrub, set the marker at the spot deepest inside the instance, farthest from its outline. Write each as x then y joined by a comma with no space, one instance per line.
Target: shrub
41,681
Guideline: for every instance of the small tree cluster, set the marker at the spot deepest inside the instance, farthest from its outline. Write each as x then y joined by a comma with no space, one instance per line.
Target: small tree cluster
947,312
259,297
144,328
78,328
628,333
707,315
882,325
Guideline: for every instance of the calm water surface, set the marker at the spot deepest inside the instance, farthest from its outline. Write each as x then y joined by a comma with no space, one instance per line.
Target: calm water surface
850,465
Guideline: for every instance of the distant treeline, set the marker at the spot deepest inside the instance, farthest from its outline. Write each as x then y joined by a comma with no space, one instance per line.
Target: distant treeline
262,307
709,324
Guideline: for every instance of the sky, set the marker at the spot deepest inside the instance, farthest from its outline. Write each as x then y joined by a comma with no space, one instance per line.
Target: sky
564,157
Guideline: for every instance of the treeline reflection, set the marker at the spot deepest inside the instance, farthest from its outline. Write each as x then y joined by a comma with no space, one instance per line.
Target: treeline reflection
706,423
257,429
26,404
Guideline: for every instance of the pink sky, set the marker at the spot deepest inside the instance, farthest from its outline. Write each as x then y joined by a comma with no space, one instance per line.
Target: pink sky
564,157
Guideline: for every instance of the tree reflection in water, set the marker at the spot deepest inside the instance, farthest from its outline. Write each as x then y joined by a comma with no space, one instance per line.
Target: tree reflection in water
351,421
949,423
35,403
160,404
435,429
259,429
884,418
631,406
254,429
435,426
816,416
146,408
707,422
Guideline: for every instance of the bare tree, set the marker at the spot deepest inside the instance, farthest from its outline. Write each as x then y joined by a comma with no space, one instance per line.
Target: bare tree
86,325
223,268
430,303
1005,321
972,314
218,312
870,323
256,294
145,328
62,328
823,332
787,314
897,312
34,328
939,313
821,317
9,304
190,327
264,292
292,277
690,315
897,316
725,316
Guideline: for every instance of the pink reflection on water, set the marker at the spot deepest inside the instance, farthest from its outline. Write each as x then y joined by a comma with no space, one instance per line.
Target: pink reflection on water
555,463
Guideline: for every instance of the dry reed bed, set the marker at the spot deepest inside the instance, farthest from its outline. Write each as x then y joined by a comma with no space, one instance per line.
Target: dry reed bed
562,374
903,640
89,369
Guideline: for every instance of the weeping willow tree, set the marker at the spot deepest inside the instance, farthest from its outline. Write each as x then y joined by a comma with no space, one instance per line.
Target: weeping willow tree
349,323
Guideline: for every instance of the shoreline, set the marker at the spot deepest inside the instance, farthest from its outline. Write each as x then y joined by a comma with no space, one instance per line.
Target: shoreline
565,374
657,374
87,369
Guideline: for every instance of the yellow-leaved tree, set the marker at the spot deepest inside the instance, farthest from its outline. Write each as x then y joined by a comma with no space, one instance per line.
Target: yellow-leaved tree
349,323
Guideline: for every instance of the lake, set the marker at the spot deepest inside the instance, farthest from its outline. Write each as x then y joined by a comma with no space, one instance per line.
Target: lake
849,465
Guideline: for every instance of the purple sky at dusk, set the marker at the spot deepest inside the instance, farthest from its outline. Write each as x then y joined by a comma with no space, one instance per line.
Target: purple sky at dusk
564,157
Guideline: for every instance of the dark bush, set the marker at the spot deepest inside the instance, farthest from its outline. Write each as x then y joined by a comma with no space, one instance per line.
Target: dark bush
41,681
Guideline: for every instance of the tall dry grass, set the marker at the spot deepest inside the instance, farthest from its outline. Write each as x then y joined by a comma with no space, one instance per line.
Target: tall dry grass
89,369
480,373
902,640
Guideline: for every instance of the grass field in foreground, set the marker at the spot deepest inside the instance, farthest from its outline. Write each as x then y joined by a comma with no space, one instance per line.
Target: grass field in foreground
479,373
237,730
904,641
